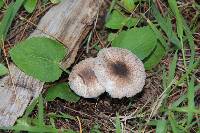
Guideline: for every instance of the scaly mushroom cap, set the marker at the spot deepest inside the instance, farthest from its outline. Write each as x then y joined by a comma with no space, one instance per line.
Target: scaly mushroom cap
82,80
120,71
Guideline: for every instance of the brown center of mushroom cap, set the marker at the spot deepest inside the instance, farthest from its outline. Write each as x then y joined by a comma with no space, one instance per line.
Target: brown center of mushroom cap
120,69
88,76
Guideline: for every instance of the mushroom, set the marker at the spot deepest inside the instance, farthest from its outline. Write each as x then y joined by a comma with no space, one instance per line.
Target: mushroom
120,71
82,80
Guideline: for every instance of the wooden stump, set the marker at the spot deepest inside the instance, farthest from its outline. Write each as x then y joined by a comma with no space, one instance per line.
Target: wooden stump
69,22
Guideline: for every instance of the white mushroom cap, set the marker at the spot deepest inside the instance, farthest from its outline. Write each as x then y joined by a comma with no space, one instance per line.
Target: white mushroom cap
120,71
82,80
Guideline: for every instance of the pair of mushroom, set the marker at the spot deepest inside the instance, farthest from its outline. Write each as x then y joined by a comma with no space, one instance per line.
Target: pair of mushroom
115,70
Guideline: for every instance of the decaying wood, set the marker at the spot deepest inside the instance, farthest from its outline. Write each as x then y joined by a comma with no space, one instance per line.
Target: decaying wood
68,22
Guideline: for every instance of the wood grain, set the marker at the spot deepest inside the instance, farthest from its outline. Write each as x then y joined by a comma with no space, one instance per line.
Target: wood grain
68,22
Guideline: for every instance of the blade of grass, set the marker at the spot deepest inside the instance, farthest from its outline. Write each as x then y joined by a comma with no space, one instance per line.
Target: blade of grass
170,77
8,18
182,98
111,8
118,124
161,126
166,26
173,122
179,23
40,111
157,32
191,104
172,68
30,108
189,71
164,78
185,110
191,42
33,129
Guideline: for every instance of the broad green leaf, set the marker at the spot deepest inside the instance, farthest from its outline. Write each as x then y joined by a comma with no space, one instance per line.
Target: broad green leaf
1,3
39,57
3,70
117,20
155,58
30,5
141,41
61,91
161,126
8,18
129,4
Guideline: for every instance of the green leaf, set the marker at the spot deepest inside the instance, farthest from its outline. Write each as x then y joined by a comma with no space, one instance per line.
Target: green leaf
166,26
30,5
95,129
172,69
129,4
3,70
1,3
158,34
61,115
161,126
112,36
179,22
61,91
117,20
191,103
39,57
30,108
40,117
55,1
155,58
118,124
141,41
8,18
173,122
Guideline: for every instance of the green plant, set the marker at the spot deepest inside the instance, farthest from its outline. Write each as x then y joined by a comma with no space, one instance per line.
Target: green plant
30,5
8,18
1,3
36,124
39,57
61,91
3,70
118,124
146,42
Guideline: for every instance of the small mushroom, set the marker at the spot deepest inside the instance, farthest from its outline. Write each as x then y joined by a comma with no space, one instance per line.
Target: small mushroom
83,81
120,71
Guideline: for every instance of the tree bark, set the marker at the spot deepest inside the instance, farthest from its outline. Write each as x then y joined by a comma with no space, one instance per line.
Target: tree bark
68,22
